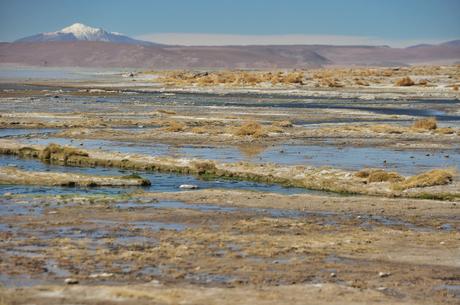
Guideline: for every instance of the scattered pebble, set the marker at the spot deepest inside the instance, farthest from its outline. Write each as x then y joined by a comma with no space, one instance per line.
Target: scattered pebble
104,274
333,274
155,282
384,274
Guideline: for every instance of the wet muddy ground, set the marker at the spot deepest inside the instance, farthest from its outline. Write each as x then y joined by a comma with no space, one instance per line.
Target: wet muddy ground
231,240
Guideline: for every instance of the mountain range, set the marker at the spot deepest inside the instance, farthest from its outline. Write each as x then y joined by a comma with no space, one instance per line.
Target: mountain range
82,46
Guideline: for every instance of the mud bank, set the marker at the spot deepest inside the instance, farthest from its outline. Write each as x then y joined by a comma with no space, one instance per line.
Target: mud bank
326,179
189,295
150,247
11,175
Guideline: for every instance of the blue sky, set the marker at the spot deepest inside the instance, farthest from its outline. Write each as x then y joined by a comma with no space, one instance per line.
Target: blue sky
394,22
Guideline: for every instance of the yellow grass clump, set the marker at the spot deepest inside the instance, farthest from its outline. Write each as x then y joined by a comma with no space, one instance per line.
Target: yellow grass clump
63,151
200,130
423,82
405,82
430,178
388,129
232,78
379,175
445,130
283,124
174,126
203,167
361,82
166,111
426,124
250,128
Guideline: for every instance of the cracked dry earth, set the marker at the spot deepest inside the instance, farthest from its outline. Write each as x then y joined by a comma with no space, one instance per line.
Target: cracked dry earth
216,246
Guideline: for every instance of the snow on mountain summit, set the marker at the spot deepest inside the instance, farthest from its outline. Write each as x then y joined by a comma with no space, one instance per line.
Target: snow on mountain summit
81,32
84,32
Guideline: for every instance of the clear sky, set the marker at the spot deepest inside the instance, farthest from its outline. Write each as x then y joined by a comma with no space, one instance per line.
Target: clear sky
394,22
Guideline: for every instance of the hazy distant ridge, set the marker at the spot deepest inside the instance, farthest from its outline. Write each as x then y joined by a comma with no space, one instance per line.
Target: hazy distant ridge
83,46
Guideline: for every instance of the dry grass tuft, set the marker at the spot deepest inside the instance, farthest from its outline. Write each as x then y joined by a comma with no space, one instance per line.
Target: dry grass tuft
430,178
423,82
385,128
232,78
445,130
250,128
166,111
426,124
63,151
174,126
283,124
200,130
405,82
379,175
203,167
275,129
361,82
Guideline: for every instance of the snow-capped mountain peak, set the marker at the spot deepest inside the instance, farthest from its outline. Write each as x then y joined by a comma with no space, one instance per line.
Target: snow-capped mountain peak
82,32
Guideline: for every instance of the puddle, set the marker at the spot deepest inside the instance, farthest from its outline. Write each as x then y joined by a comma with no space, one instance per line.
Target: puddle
22,280
14,132
391,222
206,278
157,226
325,217
52,266
333,259
141,225
349,158
452,289
17,209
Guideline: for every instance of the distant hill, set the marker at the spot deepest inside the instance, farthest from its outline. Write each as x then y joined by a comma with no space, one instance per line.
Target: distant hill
83,46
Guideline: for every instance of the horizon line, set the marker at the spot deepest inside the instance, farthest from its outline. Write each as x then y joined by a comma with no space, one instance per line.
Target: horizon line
212,39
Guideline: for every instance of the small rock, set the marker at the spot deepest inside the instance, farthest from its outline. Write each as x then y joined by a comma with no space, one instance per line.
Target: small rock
188,186
384,274
52,212
70,281
442,243
8,194
333,274
155,282
104,274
